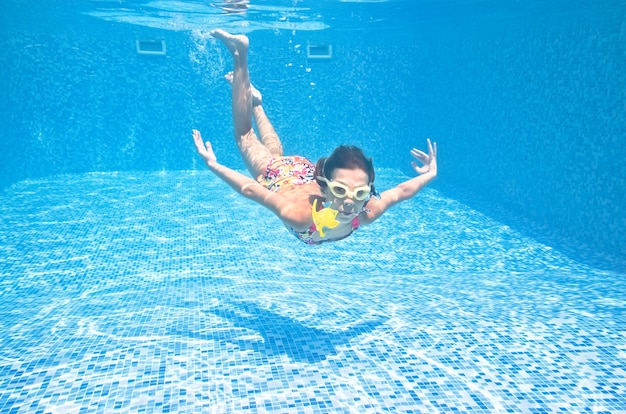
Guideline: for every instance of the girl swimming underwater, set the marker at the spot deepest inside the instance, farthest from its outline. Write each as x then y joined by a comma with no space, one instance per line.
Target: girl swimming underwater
317,203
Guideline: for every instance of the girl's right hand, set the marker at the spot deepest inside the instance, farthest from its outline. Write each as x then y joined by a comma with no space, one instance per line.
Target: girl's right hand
204,149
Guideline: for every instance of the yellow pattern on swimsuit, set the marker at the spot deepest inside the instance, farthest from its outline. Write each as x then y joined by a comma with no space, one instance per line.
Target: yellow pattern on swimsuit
324,218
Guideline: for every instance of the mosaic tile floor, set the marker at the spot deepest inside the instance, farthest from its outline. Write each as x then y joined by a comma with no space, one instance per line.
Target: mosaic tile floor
166,292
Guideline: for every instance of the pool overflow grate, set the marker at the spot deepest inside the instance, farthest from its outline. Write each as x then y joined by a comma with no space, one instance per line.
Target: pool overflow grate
151,47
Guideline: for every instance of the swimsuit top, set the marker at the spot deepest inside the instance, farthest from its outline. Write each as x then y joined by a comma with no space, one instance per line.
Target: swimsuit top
307,235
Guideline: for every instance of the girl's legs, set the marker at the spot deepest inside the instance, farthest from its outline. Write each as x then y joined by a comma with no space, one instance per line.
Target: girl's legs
269,137
255,155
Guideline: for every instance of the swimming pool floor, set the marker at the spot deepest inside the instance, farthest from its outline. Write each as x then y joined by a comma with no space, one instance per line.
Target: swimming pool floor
167,292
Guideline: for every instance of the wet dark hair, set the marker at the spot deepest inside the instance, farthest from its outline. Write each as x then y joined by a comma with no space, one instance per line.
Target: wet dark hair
348,157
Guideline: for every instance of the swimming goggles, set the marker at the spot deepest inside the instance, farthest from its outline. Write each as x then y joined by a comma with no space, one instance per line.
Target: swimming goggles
342,191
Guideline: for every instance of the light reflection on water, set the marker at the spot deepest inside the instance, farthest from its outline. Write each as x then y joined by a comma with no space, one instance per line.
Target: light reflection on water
184,16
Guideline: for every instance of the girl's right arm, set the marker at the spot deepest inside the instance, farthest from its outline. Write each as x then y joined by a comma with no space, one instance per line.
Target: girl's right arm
249,188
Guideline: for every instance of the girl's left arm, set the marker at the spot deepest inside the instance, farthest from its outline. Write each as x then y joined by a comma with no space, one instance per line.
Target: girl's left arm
404,191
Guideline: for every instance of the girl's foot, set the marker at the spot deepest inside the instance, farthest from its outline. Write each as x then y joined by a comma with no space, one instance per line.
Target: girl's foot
237,44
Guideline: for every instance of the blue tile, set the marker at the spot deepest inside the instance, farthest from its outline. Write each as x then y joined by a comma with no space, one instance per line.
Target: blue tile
105,307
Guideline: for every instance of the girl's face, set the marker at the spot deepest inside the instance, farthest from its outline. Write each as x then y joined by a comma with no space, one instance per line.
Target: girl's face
349,206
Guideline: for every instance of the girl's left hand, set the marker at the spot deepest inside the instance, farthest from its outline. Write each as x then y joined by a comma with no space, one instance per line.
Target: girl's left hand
429,161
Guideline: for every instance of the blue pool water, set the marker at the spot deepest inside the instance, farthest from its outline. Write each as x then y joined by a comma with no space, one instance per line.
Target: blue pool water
135,292
133,280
